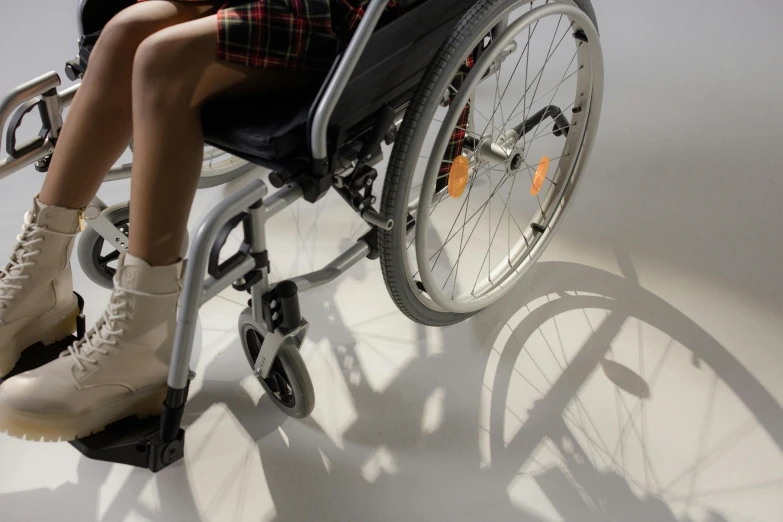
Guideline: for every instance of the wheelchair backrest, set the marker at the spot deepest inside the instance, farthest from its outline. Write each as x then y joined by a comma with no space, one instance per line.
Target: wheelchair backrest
395,60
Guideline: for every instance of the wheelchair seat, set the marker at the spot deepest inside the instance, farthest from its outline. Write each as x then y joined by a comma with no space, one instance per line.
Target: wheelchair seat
258,131
275,135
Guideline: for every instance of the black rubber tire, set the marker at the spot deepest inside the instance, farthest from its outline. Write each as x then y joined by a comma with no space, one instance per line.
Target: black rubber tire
291,363
119,215
90,240
298,378
394,202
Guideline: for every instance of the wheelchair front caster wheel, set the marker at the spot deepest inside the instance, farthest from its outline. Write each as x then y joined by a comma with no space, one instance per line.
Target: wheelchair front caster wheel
97,257
288,384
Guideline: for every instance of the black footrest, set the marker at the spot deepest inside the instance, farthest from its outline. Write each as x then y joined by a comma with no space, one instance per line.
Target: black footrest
134,442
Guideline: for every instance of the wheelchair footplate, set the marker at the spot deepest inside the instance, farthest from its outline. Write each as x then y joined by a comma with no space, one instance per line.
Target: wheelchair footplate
134,442
131,441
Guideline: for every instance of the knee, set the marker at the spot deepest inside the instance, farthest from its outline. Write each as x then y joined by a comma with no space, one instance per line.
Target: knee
123,34
162,76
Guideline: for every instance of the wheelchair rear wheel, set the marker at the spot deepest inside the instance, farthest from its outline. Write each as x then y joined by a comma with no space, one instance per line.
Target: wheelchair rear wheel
478,169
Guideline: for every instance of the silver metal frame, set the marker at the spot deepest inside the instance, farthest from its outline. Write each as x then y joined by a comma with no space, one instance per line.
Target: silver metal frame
339,81
197,290
502,278
94,216
54,104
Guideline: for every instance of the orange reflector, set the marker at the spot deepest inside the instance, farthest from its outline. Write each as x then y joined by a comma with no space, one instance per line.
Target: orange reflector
538,179
458,176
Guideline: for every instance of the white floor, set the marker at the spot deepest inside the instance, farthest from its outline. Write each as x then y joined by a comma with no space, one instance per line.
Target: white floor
669,263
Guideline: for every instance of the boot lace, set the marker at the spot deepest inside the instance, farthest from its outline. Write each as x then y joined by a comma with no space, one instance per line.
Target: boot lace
106,332
13,273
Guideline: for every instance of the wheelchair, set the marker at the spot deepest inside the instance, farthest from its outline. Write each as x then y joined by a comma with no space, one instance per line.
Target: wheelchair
436,85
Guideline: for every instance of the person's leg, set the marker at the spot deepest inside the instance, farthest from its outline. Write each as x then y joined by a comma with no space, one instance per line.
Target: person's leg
121,366
98,127
175,71
37,304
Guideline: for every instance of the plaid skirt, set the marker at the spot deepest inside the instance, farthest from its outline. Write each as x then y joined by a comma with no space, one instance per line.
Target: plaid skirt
289,35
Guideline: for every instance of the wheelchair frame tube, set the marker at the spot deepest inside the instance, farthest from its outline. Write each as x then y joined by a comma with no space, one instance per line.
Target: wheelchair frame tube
193,288
281,199
258,219
336,87
27,91
9,104
334,269
196,290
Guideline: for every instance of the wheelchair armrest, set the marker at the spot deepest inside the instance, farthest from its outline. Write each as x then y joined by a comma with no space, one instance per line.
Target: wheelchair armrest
26,92
40,92
16,121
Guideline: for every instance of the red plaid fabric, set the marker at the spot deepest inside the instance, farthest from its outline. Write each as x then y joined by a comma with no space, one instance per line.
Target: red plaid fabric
289,35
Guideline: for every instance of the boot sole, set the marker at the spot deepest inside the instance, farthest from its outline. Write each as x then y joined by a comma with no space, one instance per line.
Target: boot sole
28,426
64,327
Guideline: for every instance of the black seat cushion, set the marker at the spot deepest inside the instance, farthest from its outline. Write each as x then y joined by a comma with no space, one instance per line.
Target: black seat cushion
263,129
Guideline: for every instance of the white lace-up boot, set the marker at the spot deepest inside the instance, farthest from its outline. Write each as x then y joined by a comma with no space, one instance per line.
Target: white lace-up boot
37,303
119,369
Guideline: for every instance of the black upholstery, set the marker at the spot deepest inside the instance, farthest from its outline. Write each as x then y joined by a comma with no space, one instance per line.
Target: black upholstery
263,130
273,130
272,133
97,13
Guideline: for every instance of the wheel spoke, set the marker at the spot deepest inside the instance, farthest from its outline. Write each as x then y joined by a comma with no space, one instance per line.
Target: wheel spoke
450,219
479,210
528,107
108,258
524,54
464,203
535,133
540,74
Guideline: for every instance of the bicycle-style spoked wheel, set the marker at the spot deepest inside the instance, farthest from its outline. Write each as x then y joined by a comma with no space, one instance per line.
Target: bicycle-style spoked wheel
491,154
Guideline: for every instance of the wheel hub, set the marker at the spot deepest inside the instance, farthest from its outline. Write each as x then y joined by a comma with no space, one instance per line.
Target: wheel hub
514,162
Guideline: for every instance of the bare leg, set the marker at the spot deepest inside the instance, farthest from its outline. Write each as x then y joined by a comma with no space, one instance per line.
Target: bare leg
175,71
98,127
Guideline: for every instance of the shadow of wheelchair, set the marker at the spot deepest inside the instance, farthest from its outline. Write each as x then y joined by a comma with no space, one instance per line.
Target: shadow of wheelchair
473,425
444,439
